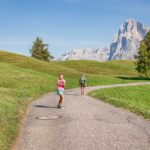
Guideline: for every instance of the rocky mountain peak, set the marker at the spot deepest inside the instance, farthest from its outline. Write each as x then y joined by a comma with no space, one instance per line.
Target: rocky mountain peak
126,42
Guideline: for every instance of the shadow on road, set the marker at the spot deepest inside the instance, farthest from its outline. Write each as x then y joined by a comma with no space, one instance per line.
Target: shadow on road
43,106
71,94
134,78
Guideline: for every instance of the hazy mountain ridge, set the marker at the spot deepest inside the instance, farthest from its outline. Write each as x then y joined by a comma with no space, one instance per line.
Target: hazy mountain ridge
86,54
124,47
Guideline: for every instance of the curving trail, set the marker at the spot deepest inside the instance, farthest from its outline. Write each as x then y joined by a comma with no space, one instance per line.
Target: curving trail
85,124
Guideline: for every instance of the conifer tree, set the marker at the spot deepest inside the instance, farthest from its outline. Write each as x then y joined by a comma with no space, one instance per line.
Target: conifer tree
40,51
143,57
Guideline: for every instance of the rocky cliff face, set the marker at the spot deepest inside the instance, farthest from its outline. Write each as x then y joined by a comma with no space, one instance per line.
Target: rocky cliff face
127,40
124,47
86,54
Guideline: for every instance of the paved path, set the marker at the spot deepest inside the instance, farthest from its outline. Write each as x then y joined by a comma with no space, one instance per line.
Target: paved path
85,124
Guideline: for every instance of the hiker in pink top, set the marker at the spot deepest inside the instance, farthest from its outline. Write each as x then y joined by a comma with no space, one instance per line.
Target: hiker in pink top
60,90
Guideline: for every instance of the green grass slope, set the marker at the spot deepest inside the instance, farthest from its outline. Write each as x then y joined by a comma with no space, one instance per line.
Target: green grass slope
40,66
18,86
103,73
133,98
116,68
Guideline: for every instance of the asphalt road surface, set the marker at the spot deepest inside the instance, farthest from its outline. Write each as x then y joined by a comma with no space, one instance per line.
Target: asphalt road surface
84,124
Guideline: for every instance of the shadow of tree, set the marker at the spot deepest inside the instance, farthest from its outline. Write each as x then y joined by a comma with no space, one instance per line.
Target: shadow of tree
134,78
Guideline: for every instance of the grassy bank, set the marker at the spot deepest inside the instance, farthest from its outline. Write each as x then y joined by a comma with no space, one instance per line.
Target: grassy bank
133,98
17,88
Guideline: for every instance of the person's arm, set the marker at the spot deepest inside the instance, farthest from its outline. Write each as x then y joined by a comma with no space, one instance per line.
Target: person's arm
85,81
64,82
57,82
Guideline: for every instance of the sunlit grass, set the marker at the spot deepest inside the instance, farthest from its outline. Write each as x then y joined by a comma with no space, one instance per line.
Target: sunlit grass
17,88
133,98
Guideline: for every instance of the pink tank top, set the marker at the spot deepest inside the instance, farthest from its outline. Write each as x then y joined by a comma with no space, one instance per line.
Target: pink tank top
60,85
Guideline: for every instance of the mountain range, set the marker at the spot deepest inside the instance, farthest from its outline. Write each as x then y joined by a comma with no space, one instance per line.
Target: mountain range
125,45
86,54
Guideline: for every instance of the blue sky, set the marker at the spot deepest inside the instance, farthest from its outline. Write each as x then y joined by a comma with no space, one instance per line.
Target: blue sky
65,24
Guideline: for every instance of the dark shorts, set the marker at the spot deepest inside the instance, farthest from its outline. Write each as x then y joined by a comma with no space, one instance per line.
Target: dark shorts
82,85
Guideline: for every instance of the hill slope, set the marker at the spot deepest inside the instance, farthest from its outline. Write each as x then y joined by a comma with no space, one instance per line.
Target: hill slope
113,68
24,78
18,86
70,67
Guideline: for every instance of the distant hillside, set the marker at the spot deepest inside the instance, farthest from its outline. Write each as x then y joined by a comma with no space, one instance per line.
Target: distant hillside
70,68
35,64
112,68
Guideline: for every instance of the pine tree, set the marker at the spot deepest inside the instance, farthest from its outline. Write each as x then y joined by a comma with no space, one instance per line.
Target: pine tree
40,51
143,57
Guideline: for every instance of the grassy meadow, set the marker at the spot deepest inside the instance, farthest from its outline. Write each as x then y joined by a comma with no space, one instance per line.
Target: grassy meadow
22,79
133,98
18,86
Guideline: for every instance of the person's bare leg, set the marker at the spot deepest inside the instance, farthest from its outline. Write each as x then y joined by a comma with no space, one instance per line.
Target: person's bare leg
62,100
83,91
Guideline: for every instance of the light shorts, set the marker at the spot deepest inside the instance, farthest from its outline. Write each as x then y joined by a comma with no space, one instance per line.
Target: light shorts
60,92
